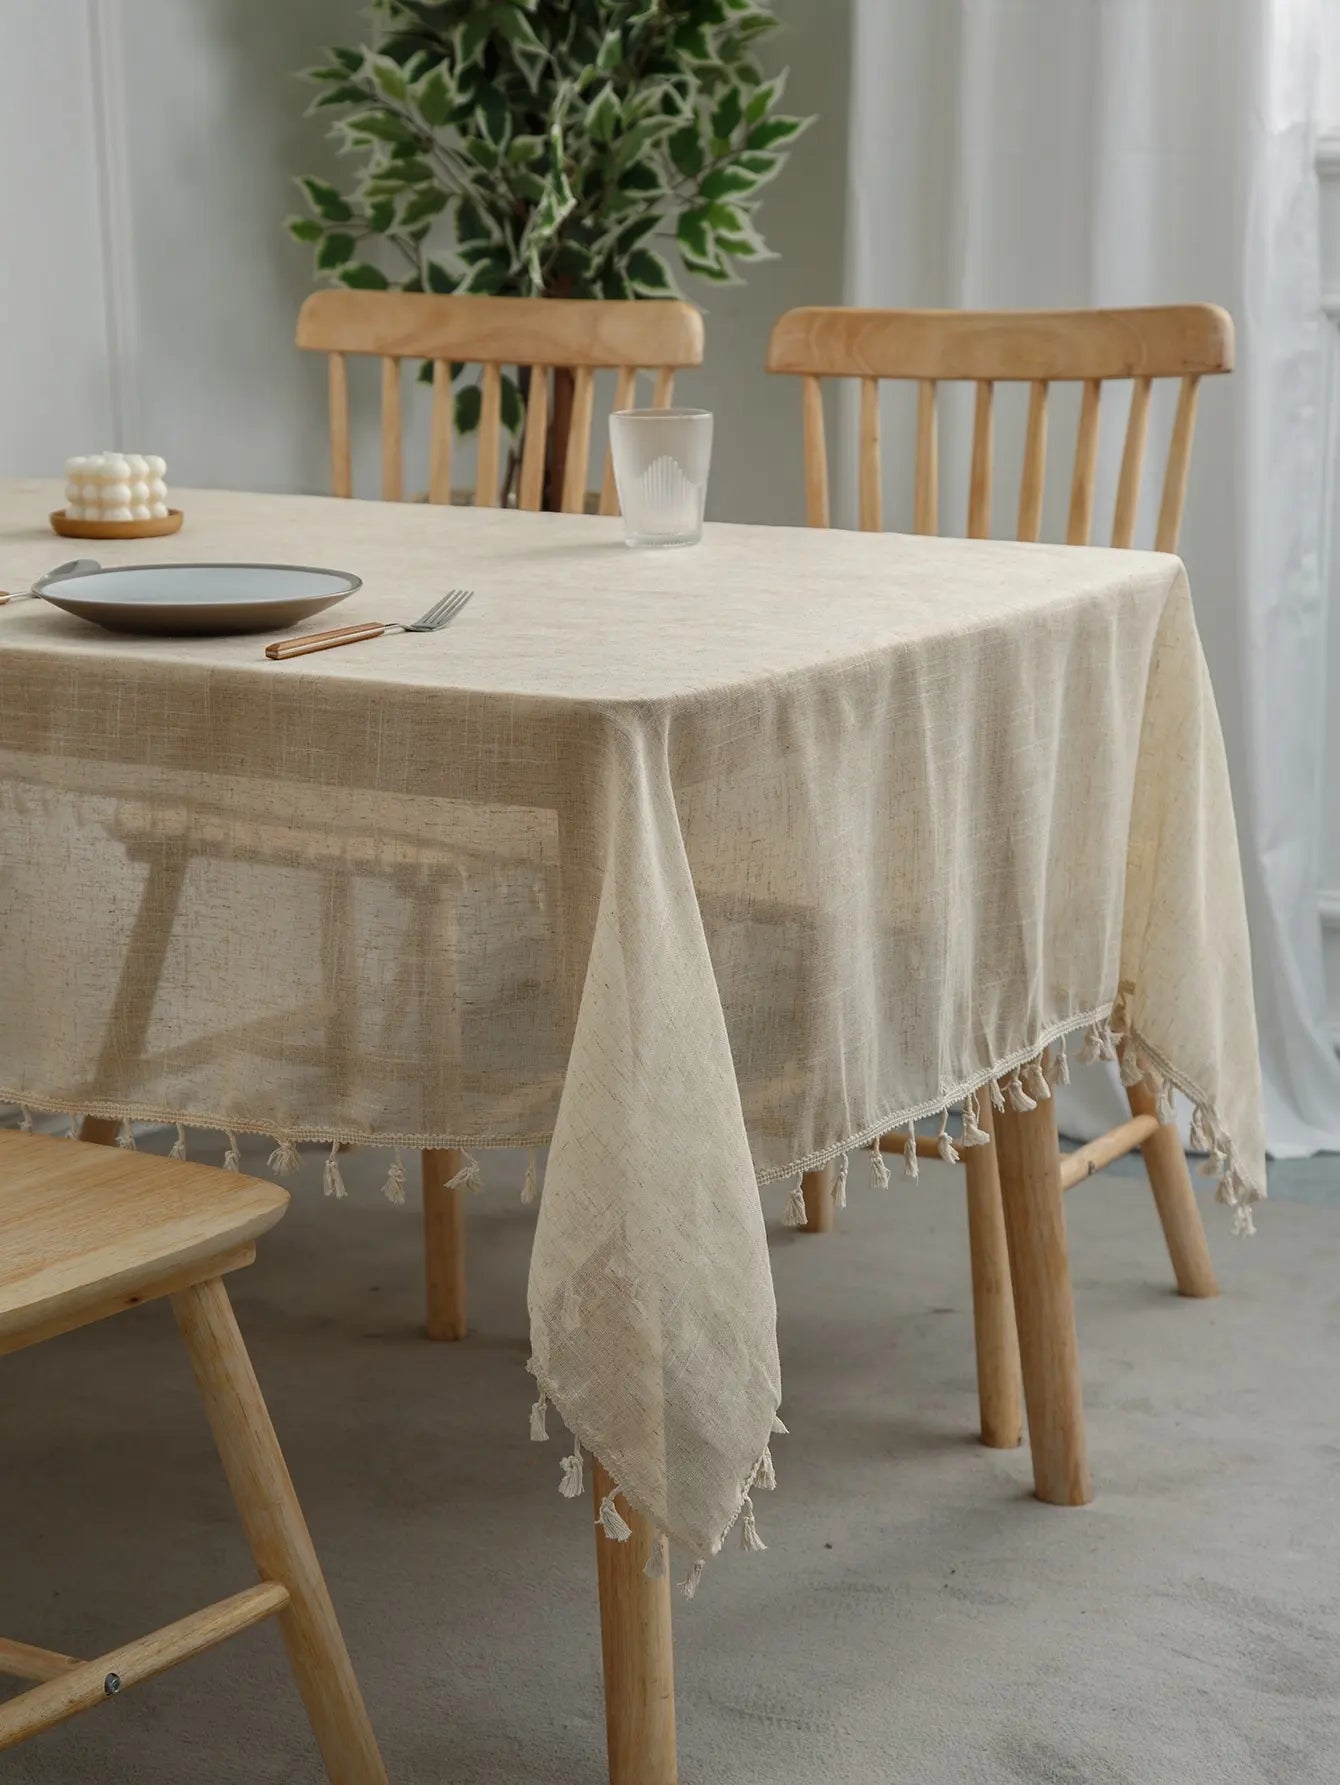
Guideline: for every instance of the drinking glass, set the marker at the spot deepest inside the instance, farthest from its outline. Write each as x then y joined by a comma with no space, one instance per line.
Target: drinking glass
661,459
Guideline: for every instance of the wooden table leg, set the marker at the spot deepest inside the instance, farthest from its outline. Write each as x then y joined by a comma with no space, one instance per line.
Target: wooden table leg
820,1208
999,1399
277,1532
444,1244
1030,1184
638,1653
1175,1200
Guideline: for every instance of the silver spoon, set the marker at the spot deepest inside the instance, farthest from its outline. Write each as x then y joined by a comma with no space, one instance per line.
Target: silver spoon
76,567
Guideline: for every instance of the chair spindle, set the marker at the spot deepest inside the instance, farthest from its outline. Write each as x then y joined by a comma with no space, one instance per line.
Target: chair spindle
536,440
1034,477
341,462
1086,465
872,507
979,487
927,501
816,455
1179,464
393,476
579,441
439,439
490,435
625,397
1132,463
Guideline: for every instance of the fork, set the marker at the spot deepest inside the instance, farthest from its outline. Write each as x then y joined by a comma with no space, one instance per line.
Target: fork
434,620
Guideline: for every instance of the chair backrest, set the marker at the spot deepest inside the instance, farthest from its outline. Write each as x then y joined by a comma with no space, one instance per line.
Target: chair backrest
582,335
987,347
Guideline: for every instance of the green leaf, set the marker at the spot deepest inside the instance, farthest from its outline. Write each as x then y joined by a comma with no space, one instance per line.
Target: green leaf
686,150
513,409
304,229
361,277
693,234
641,176
603,115
471,224
726,118
610,53
649,275
346,95
434,99
325,200
765,97
482,153
493,115
633,234
426,204
708,269
772,131
381,215
389,79
725,182
469,404
377,126
438,277
336,251
690,41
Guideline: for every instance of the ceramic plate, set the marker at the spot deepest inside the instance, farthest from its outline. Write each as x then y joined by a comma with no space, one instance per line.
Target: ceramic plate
178,599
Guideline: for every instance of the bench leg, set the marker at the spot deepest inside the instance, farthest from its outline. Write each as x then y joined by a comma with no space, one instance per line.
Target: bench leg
820,1209
1044,1307
638,1654
277,1533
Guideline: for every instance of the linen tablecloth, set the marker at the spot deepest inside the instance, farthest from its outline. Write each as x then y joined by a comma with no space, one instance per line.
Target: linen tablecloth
708,866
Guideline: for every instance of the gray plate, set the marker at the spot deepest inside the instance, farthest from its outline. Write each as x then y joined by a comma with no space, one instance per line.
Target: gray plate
175,600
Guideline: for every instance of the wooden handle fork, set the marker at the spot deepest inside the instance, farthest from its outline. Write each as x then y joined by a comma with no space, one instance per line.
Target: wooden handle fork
323,641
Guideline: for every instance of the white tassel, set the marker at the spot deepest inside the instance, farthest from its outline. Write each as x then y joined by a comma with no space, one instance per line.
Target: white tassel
332,1182
232,1159
530,1189
394,1187
25,1120
1200,1138
796,1215
1058,1066
974,1135
1037,1082
467,1178
126,1138
689,1585
572,1483
658,1562
179,1145
766,1477
910,1167
1132,1067
944,1145
285,1158
539,1432
749,1537
879,1171
1020,1101
611,1521
997,1095
840,1183
1165,1108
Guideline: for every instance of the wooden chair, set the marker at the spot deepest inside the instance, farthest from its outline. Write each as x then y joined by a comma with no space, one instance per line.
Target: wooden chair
576,336
1039,348
559,341
86,1232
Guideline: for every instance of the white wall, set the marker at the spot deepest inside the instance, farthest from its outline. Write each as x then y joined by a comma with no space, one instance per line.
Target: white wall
147,150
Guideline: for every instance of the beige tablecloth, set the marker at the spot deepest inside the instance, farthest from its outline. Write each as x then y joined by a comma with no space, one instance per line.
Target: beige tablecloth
710,865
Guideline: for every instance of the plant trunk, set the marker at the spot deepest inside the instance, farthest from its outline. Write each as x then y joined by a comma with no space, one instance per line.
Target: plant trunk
556,458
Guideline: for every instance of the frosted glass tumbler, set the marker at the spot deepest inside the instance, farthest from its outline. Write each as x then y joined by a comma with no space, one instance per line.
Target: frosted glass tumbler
661,459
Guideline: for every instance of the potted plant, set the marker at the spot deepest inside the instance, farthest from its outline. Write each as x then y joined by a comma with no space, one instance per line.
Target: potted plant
553,148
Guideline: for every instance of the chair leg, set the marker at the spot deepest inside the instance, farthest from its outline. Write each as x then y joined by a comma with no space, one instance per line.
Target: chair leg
1030,1185
277,1533
1175,1200
999,1398
820,1209
638,1654
444,1244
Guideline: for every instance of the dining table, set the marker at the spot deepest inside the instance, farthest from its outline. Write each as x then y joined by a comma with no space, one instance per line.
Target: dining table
704,869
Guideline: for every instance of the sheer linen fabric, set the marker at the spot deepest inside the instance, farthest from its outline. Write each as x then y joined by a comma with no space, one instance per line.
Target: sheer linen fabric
709,865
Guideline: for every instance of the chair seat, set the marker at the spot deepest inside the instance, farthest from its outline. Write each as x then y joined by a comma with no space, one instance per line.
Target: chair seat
82,1224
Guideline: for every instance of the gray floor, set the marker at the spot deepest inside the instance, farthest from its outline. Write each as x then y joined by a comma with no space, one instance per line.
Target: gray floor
918,1618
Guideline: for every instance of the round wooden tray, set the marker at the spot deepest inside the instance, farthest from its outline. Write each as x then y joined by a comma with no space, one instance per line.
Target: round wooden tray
68,529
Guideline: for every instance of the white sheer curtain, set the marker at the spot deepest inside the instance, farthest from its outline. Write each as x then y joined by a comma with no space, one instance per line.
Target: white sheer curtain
1075,152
